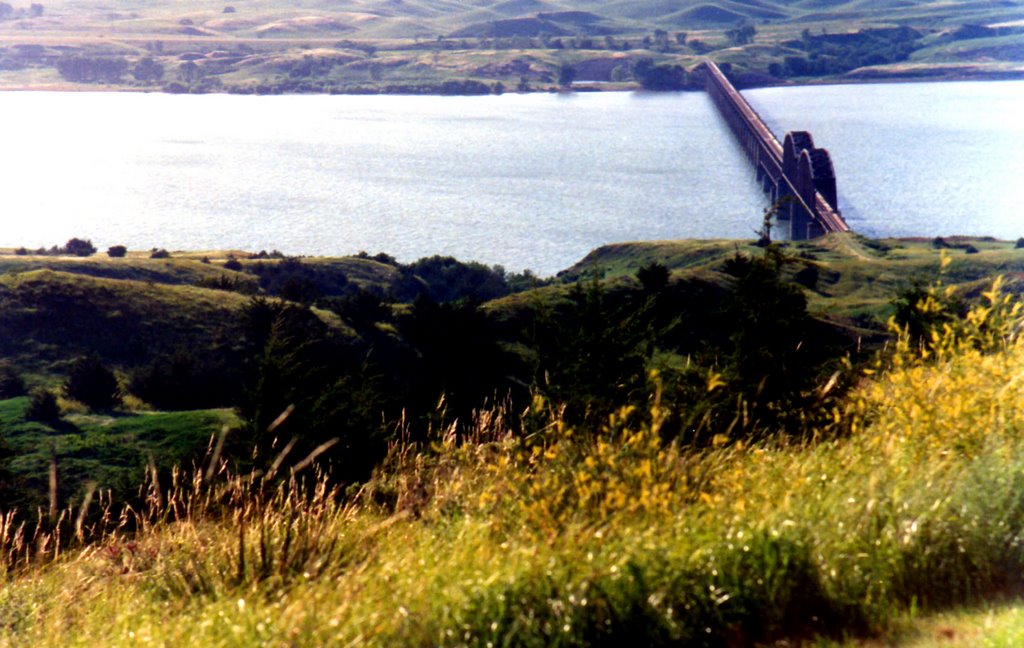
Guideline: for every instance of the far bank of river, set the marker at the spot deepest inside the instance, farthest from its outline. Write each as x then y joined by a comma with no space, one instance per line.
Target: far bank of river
878,75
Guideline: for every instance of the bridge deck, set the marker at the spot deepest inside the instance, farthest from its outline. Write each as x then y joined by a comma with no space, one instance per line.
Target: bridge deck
770,148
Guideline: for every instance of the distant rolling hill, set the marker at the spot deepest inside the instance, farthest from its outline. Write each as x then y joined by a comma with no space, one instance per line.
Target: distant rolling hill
477,46
418,18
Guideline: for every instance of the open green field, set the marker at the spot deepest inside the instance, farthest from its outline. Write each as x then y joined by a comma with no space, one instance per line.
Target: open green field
111,450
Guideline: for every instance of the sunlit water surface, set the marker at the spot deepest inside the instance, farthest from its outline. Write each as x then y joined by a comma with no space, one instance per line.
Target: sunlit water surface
916,159
526,181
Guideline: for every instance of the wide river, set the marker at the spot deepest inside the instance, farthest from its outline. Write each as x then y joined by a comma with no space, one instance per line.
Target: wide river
526,181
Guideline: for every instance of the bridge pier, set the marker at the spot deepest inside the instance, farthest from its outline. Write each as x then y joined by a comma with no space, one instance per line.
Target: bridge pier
772,188
768,186
803,227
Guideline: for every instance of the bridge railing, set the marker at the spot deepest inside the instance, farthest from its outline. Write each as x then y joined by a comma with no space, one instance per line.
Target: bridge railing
766,153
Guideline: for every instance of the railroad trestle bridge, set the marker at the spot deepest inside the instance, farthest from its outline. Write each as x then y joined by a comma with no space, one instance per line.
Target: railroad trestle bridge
797,176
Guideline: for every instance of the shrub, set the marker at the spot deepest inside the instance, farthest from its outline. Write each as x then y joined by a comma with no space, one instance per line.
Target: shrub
447,279
233,264
186,380
361,308
159,253
226,283
91,69
42,406
659,77
93,384
920,311
23,251
807,276
653,277
263,254
1020,243
116,251
79,247
11,384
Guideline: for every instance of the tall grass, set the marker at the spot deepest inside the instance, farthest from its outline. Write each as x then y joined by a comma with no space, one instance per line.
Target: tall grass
911,500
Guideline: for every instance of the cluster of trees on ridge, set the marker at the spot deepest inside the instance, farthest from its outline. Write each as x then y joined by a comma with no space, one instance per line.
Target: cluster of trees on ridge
838,53
84,248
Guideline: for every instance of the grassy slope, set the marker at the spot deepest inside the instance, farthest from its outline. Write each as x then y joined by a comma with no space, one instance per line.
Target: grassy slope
129,310
51,316
189,267
857,277
173,271
260,41
856,280
362,18
603,535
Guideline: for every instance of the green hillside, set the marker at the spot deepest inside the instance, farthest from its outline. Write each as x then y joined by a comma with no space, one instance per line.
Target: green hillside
894,519
400,19
853,277
130,310
418,45
678,441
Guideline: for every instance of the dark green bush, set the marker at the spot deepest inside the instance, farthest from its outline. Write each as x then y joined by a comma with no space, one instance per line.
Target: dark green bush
11,384
93,384
807,276
79,247
659,77
653,277
186,380
446,279
43,406
116,251
361,308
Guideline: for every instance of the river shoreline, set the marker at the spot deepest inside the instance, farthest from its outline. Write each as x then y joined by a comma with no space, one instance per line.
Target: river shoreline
938,73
